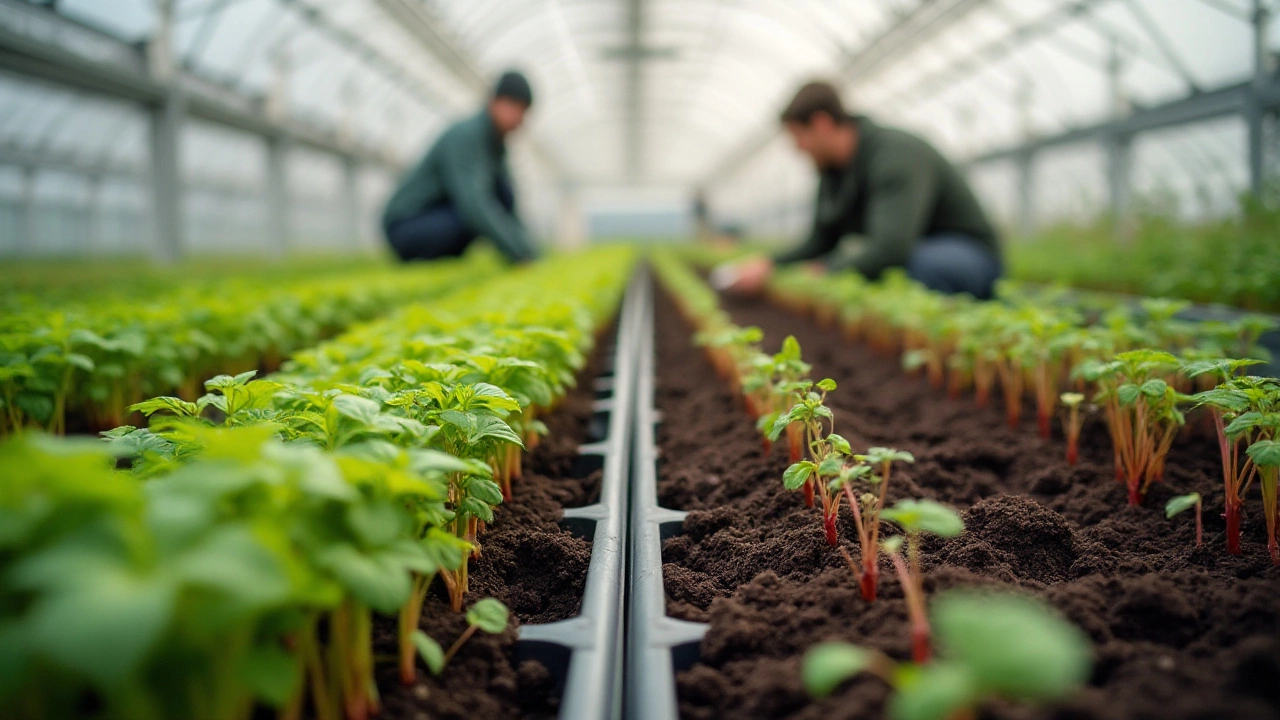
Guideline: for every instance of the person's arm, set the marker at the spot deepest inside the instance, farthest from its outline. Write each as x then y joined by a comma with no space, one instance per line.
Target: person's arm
468,177
898,209
818,243
821,240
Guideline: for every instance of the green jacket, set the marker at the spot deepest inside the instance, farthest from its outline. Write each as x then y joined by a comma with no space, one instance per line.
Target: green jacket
897,191
462,169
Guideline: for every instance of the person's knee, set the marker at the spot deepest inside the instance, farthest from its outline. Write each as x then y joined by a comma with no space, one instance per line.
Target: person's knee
954,265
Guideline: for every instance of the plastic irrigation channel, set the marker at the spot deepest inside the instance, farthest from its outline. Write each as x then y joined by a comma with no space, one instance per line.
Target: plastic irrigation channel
657,646
585,652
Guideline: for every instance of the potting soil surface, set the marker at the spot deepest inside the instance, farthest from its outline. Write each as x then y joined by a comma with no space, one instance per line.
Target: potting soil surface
1179,632
527,561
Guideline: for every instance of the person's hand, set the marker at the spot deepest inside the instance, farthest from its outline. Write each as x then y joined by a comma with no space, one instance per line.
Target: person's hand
753,273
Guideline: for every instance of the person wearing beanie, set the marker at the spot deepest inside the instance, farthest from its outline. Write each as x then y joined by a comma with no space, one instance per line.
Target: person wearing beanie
462,190
886,198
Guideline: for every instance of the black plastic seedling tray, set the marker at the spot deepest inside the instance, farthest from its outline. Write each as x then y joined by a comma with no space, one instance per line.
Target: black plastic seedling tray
657,646
584,652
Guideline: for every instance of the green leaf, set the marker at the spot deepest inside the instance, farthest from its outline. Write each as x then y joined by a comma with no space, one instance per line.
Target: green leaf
934,692
486,491
839,443
489,615
892,545
376,581
104,625
362,410
829,664
1128,393
924,516
177,406
487,426
1180,504
430,652
1265,453
827,384
831,466
1154,388
795,476
476,507
1014,645
272,673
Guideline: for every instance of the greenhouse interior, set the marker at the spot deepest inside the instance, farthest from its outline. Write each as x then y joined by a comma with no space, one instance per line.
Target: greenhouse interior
640,359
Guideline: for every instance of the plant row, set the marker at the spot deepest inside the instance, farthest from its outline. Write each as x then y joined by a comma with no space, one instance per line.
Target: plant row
91,359
238,560
993,645
1141,370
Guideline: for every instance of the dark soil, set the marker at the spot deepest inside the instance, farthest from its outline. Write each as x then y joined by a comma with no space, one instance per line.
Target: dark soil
1178,631
528,562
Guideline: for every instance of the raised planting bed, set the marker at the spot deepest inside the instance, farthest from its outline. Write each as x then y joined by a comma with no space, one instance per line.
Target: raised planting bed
1177,631
553,558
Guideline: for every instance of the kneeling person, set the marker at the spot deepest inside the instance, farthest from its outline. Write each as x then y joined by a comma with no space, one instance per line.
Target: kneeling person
910,205
462,188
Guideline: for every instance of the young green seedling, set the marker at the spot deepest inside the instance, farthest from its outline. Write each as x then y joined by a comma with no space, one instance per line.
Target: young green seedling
915,517
1142,413
1181,504
827,452
1072,401
867,508
991,645
1231,398
488,615
1266,455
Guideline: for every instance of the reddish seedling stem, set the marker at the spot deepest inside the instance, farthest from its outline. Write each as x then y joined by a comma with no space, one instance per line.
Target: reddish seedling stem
1045,392
914,595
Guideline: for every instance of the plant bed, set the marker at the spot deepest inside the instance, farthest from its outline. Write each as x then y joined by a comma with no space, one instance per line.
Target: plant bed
551,558
1178,631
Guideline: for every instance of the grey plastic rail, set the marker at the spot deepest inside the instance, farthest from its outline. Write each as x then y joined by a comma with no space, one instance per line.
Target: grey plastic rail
585,652
658,646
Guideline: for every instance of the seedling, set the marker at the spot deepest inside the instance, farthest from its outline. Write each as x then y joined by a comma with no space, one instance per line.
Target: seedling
1233,397
827,451
1075,420
1181,504
488,615
991,645
915,517
867,508
769,386
1266,455
1142,413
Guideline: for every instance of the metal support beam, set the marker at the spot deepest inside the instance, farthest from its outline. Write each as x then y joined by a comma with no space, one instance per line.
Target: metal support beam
1119,153
351,215
26,244
1228,101
167,118
633,97
93,215
1256,115
895,44
39,43
278,195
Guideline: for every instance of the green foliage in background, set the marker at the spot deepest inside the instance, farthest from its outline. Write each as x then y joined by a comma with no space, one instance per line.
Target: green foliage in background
1234,261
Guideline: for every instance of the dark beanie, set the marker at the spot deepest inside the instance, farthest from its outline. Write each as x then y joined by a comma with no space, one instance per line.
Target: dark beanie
514,86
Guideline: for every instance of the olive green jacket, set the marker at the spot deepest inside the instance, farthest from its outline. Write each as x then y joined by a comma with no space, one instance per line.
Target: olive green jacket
462,169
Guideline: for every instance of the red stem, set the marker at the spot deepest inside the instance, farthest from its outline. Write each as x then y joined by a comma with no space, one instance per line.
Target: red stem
829,525
1233,526
1199,527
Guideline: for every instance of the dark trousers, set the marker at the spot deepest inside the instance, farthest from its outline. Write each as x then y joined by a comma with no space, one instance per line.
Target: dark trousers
439,231
954,264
